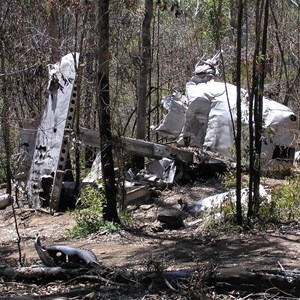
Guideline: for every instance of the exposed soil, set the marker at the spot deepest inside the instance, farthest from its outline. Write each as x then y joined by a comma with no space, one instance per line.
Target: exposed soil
143,242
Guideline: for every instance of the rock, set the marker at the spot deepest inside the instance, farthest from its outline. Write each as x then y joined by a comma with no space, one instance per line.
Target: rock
157,227
6,200
170,218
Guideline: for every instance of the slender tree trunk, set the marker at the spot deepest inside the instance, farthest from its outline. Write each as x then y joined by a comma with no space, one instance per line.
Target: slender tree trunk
282,56
239,116
79,71
145,69
89,152
253,113
158,89
54,33
216,20
5,128
234,6
259,105
110,211
256,99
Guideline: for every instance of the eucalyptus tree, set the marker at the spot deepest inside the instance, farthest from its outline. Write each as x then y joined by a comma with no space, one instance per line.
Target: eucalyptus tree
103,95
143,78
239,216
256,105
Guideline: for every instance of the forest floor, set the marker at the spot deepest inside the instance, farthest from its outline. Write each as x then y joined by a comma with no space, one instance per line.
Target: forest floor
141,246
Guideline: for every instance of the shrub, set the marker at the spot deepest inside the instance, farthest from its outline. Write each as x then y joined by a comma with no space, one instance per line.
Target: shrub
285,202
283,207
88,213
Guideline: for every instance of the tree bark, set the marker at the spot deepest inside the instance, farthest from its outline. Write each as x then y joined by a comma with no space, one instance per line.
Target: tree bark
255,110
5,127
239,216
145,69
258,116
54,33
269,282
108,174
256,281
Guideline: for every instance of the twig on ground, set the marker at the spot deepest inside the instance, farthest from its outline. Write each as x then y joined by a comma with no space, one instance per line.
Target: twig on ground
169,285
18,234
95,278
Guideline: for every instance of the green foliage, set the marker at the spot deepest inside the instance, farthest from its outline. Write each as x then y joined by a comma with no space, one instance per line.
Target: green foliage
126,217
228,180
285,202
108,226
283,207
88,213
225,216
2,166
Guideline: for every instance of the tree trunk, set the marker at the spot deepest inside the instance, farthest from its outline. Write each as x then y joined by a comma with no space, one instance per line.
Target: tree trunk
274,282
54,33
259,115
256,96
145,69
5,128
239,117
108,174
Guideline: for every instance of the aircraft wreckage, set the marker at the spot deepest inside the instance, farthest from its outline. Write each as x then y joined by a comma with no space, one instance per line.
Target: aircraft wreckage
201,122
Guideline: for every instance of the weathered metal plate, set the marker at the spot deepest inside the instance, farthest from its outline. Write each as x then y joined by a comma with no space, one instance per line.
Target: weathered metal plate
51,144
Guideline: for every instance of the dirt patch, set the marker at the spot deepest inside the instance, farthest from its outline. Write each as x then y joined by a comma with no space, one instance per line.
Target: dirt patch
133,248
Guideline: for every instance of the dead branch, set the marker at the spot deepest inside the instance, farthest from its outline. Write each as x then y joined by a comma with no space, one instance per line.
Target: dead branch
279,281
95,278
18,234
41,273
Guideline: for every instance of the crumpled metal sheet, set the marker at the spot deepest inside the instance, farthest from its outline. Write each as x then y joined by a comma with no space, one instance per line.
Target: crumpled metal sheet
176,106
207,204
50,132
163,169
207,121
65,256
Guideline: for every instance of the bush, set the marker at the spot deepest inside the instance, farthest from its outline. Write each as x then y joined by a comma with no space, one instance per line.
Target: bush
283,207
88,213
285,202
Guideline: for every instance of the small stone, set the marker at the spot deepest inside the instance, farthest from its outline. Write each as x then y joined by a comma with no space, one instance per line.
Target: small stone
171,219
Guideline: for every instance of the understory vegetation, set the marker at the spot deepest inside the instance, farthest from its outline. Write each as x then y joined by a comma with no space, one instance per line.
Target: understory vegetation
280,206
88,213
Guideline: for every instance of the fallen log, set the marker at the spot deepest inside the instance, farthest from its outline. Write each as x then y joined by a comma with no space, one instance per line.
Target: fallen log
41,272
285,282
48,274
273,281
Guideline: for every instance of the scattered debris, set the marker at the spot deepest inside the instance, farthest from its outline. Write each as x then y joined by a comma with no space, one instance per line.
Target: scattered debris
136,194
201,122
285,283
207,204
208,113
65,256
6,200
